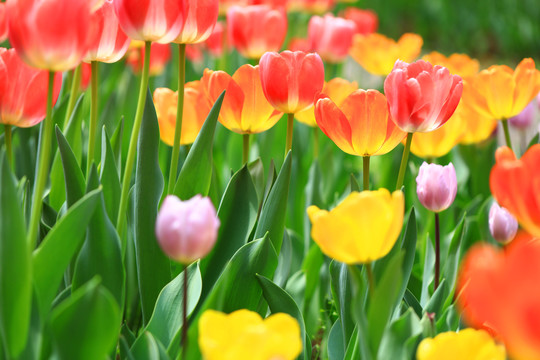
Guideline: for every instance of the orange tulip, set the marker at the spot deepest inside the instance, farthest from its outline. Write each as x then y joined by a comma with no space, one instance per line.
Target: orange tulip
476,126
514,184
361,125
499,290
438,142
377,53
245,110
500,92
317,7
459,64
160,54
196,108
337,90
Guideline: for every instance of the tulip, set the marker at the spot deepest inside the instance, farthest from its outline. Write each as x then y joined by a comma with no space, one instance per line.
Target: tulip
514,184
525,118
276,4
465,344
439,142
3,23
57,43
499,290
476,126
331,37
216,44
244,335
436,186
151,20
459,64
502,225
311,6
299,44
196,109
378,54
256,29
362,228
366,21
160,54
199,19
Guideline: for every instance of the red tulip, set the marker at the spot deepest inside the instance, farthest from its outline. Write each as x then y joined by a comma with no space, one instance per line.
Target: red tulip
3,22
331,37
51,34
23,91
200,17
150,20
299,44
421,97
217,42
366,21
108,42
160,54
291,80
256,29
272,3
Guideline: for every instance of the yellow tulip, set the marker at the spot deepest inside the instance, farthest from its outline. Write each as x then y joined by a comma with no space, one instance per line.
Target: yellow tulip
362,228
466,344
477,127
438,142
244,335
457,64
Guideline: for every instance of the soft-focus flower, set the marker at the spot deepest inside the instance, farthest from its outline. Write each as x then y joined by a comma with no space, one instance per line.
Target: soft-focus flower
361,125
502,225
3,22
291,80
299,44
378,54
151,20
194,53
465,344
523,119
196,108
186,230
476,126
337,90
273,3
23,91
331,37
459,64
160,54
514,184
256,29
366,21
217,43
199,19
438,142
499,290
245,110
421,97
500,92
311,6
244,335
436,186
86,75
362,228
51,35
108,43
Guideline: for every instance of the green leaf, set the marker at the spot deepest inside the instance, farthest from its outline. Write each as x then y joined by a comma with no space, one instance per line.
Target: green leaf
153,267
87,325
313,197
196,173
336,343
280,302
74,179
428,274
272,218
15,266
109,177
116,143
534,140
435,304
452,259
342,294
256,169
353,184
53,256
149,348
400,338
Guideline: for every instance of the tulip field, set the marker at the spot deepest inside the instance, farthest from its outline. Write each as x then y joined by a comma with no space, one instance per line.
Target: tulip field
268,180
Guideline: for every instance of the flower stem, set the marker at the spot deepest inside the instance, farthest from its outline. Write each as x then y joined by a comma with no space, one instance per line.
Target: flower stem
365,172
507,133
290,124
74,91
183,341
371,279
124,196
43,166
316,142
437,251
404,161
245,149
179,117
93,116
7,142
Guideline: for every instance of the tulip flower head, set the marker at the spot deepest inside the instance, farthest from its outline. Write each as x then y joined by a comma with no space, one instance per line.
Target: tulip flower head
331,37
291,80
459,64
362,228
199,19
366,21
436,186
187,230
502,225
421,97
217,44
439,142
311,6
476,126
3,22
160,54
525,118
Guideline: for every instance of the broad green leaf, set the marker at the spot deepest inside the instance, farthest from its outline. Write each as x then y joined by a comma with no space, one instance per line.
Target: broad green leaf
15,266
449,272
153,267
87,325
342,294
116,144
412,302
55,252
272,218
73,175
429,271
196,173
435,304
336,343
283,270
109,177
361,347
353,184
256,169
314,196
353,347
534,140
149,348
400,338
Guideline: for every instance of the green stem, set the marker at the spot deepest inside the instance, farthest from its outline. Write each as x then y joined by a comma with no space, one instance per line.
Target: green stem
179,117
74,91
370,277
43,166
130,160
437,252
507,133
7,142
365,172
93,116
290,125
404,161
245,149
316,142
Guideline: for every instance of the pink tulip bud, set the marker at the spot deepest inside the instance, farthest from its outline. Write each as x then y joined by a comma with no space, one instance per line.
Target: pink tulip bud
187,230
502,225
436,186
524,118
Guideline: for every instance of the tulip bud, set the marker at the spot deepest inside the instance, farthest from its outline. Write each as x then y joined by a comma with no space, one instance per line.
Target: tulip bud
187,230
502,225
436,186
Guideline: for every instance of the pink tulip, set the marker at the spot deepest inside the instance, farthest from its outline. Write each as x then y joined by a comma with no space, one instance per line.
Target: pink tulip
436,186
524,118
502,225
421,97
187,230
331,37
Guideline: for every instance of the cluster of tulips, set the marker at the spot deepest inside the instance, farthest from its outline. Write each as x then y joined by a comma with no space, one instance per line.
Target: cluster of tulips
105,255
